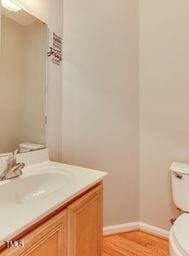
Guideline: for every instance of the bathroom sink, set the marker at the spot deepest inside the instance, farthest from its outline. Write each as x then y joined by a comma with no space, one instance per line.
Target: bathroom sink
33,187
41,189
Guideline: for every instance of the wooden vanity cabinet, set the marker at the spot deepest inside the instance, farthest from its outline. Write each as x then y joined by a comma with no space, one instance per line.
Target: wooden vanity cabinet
74,231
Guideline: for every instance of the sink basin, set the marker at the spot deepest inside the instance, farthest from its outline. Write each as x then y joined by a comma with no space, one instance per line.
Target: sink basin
32,187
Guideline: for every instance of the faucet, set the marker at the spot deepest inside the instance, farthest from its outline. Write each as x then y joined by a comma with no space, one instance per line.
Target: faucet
13,169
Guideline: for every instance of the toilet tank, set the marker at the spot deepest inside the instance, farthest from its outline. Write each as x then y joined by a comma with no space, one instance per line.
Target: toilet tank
180,185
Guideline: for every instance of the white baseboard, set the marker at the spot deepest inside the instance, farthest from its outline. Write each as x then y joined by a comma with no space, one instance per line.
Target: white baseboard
154,230
126,227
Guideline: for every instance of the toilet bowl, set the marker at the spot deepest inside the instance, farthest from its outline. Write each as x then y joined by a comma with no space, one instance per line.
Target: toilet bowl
179,236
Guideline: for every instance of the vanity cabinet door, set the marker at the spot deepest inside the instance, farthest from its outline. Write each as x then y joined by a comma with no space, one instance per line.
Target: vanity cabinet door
85,225
49,239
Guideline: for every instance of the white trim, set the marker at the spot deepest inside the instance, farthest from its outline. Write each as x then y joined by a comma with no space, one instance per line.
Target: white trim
126,227
154,230
115,229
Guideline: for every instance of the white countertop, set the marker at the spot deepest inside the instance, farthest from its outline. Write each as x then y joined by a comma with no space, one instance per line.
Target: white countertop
15,217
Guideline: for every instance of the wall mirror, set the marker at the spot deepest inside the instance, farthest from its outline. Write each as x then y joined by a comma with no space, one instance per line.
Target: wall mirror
23,73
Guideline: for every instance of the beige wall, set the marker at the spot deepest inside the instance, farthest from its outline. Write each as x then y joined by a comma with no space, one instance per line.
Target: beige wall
100,124
11,85
34,103
164,104
100,98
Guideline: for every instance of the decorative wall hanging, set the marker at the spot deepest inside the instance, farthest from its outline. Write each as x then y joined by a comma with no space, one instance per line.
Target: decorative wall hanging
55,51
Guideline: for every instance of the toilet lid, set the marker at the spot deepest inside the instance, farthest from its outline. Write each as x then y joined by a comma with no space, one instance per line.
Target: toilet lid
181,232
31,146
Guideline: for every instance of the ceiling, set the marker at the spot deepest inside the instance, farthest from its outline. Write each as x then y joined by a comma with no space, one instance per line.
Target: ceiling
22,17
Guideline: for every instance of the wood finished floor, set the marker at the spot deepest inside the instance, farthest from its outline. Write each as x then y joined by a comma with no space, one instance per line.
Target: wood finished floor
135,243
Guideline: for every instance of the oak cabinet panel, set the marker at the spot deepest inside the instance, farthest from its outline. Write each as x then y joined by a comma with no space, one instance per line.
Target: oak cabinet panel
85,225
49,239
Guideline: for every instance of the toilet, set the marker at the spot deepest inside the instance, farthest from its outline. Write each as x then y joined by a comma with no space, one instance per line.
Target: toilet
179,234
27,147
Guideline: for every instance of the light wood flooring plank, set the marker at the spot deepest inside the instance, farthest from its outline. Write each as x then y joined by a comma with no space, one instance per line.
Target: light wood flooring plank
136,243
